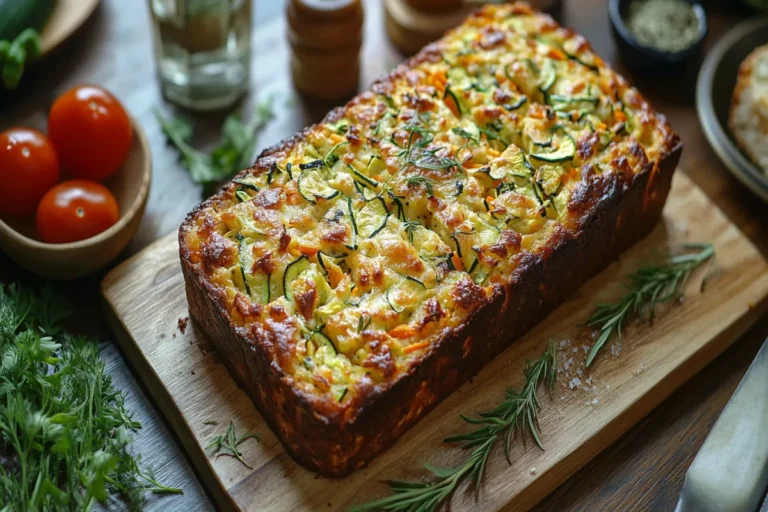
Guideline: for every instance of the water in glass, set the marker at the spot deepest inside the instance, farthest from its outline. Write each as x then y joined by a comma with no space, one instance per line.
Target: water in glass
203,50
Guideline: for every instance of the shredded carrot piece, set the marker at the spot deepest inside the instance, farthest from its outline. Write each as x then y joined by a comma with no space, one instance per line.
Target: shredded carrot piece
457,261
378,178
490,199
402,331
556,54
619,115
307,250
451,104
578,87
416,346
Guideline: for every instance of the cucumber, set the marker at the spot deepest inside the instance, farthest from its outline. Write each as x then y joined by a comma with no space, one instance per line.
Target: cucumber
566,150
372,218
256,285
18,15
292,271
312,186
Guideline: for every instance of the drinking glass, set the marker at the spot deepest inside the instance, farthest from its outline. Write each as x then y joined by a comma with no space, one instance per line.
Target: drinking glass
203,50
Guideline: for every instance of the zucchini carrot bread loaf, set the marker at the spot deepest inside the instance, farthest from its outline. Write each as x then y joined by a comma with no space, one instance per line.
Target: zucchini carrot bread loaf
360,272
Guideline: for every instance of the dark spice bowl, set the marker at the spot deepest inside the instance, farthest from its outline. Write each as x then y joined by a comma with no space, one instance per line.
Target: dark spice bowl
650,60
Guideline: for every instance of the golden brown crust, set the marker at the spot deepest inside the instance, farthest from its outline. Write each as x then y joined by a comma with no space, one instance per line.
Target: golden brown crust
608,212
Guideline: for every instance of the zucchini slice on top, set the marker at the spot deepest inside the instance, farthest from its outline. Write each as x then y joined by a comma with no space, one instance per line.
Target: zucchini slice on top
256,285
372,218
565,149
313,185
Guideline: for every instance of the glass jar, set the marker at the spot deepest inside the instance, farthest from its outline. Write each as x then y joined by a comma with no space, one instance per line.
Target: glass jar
203,50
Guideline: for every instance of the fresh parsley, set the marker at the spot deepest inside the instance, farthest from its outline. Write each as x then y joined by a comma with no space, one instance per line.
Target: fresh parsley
234,152
64,428
518,411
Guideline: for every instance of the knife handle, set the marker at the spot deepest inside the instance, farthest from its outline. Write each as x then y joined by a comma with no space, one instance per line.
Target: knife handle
730,473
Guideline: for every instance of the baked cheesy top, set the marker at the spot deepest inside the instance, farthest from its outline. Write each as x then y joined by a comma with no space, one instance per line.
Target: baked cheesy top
352,249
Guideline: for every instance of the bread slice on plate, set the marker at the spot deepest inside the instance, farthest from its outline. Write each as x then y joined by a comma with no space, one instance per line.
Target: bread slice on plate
748,117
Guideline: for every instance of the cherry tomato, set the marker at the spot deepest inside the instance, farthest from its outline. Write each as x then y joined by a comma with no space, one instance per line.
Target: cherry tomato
75,210
28,169
91,132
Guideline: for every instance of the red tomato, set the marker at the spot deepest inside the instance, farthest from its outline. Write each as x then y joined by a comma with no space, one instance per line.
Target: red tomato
91,132
28,169
75,210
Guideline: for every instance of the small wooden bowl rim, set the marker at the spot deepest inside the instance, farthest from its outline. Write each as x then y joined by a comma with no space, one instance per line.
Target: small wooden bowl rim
136,206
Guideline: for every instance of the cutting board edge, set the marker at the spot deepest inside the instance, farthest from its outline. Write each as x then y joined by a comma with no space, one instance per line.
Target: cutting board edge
532,493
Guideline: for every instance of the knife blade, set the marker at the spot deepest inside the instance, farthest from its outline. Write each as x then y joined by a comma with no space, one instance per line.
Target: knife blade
730,472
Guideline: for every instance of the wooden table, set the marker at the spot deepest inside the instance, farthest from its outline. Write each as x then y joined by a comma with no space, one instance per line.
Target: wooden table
644,470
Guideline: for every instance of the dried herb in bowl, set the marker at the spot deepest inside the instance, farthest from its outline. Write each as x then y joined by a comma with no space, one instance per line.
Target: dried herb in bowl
664,25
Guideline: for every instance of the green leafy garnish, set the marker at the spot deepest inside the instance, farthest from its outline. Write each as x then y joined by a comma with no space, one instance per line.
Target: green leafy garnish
648,286
518,411
234,152
14,55
64,427
227,444
410,227
427,183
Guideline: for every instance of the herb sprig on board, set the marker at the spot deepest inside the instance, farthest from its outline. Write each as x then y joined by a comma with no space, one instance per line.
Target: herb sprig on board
234,153
647,287
227,444
64,427
518,411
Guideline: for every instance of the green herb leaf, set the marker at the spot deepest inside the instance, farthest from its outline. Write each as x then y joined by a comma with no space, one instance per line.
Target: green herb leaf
227,444
647,287
234,152
517,412
64,428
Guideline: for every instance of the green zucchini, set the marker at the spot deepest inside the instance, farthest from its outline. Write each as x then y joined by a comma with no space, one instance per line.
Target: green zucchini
372,218
398,294
312,186
321,340
245,183
256,285
338,392
292,271
547,76
565,151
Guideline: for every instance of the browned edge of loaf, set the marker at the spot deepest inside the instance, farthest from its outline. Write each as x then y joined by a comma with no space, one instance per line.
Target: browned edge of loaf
619,214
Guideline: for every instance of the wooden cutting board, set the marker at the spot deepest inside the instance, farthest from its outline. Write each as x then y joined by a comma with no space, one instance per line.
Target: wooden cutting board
585,413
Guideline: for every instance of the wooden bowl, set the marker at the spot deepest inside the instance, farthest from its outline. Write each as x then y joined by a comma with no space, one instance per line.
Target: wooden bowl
130,185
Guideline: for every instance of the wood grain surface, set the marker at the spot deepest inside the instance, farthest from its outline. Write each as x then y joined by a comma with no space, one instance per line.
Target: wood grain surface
586,412
642,471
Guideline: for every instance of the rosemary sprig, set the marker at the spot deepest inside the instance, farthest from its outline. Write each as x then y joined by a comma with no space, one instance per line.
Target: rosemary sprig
648,286
227,444
519,410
